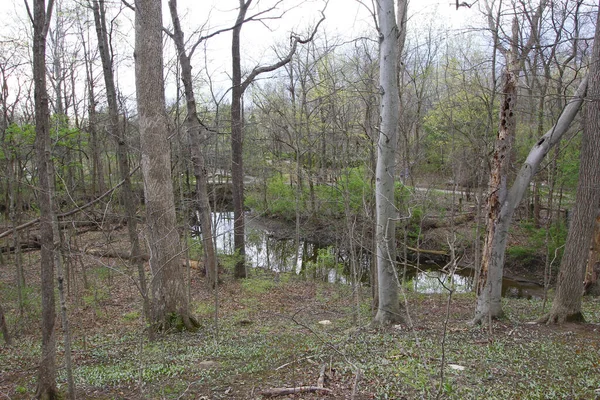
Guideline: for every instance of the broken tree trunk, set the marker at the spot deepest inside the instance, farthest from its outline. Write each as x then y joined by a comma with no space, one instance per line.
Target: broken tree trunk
489,296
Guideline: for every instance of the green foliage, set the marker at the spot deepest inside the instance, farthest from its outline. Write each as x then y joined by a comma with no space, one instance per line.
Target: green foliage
131,316
256,286
325,261
283,199
531,253
204,309
18,140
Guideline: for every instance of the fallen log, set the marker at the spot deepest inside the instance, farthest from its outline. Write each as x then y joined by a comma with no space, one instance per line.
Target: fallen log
123,255
425,251
25,246
68,213
300,389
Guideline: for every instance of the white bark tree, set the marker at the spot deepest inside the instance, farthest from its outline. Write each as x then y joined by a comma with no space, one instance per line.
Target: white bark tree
388,310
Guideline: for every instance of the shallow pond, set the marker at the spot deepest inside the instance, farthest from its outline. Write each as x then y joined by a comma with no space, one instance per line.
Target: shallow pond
264,250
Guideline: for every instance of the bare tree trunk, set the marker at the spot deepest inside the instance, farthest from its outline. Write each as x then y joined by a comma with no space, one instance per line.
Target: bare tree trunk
489,294
237,168
169,307
46,386
118,135
388,311
194,128
237,91
567,302
592,271
98,184
489,286
4,328
490,275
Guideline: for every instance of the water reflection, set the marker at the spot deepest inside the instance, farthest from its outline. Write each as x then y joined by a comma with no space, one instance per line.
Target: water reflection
263,250
439,281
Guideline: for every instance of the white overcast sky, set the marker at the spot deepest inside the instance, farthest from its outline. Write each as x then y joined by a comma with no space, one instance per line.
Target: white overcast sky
344,18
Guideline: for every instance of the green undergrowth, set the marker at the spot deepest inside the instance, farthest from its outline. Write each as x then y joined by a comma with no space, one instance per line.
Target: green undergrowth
273,333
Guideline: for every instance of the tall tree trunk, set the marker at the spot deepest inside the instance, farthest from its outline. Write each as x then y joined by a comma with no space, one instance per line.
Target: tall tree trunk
388,311
489,294
592,271
237,168
567,302
46,387
492,263
237,91
118,134
98,185
169,307
489,286
194,128
4,328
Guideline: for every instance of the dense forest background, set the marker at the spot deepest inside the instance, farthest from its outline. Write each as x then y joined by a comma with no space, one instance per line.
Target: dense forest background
130,132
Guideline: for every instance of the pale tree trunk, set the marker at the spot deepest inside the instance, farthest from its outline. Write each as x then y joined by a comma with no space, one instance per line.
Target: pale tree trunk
489,286
46,386
489,295
569,289
388,310
592,271
118,135
169,306
194,129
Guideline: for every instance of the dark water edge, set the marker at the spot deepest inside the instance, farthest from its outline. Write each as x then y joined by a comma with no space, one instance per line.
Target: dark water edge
268,248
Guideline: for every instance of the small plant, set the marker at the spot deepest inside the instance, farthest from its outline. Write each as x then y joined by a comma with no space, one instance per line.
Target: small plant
131,316
257,286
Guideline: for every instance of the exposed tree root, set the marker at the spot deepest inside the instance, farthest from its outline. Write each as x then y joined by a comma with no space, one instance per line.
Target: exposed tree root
560,318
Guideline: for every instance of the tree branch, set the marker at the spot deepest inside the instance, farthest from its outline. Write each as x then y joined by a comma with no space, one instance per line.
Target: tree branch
295,39
68,213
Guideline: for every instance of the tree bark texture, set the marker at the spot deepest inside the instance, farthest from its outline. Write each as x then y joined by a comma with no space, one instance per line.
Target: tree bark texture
490,289
592,272
169,305
567,302
194,130
118,135
489,286
388,311
4,327
237,166
46,386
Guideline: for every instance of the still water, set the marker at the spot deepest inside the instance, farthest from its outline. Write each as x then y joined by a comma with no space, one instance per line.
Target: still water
264,250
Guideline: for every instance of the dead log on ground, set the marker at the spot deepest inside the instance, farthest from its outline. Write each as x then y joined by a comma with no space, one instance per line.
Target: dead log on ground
300,389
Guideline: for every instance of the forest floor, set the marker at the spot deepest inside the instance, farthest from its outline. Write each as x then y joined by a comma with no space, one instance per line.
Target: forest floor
283,331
